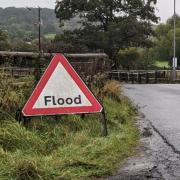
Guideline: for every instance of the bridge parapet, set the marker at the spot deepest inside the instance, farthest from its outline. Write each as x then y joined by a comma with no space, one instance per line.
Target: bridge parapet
144,76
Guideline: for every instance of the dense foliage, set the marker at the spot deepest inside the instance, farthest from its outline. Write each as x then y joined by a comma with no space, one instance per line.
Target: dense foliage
135,58
4,40
163,49
22,23
19,30
110,24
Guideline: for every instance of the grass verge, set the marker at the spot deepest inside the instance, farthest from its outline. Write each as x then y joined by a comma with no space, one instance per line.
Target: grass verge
70,147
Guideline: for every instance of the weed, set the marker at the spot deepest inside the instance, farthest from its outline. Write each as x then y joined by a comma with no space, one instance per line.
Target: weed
112,89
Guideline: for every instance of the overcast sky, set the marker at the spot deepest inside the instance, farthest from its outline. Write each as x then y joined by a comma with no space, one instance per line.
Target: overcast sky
164,7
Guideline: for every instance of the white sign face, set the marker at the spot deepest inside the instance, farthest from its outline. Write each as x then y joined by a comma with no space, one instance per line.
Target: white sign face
61,91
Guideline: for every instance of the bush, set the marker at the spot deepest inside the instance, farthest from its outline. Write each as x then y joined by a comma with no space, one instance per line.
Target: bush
127,58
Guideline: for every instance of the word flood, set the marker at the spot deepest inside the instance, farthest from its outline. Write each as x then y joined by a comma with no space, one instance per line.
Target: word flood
52,100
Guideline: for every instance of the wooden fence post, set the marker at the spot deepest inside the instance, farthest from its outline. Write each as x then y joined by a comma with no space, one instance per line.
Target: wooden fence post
132,78
147,77
156,77
139,78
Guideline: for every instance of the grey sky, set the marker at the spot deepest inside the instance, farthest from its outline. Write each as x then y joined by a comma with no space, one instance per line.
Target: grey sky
31,3
164,7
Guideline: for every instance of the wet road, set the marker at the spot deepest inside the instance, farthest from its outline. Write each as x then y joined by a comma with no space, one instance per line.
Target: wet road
161,105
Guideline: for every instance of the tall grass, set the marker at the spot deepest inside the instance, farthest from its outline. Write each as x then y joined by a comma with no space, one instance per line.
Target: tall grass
68,147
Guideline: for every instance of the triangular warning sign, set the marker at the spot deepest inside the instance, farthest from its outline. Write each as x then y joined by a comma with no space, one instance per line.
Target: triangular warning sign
61,91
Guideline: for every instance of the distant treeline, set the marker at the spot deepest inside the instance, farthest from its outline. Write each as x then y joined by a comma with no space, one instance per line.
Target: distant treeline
22,22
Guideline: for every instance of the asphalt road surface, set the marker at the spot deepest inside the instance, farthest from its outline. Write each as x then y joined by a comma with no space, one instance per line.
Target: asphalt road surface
160,103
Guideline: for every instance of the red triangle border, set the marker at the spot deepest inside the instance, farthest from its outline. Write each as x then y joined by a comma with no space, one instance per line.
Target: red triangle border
59,58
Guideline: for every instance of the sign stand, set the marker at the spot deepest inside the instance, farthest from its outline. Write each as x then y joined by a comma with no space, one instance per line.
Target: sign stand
82,116
104,123
25,120
18,116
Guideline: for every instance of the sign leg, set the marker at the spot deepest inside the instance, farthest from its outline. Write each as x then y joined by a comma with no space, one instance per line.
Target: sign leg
18,116
104,124
82,116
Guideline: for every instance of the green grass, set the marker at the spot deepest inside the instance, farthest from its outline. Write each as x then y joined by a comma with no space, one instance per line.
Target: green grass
162,64
70,148
50,36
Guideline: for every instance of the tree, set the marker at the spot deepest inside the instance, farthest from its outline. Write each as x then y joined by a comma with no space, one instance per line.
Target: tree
128,57
110,24
4,40
163,49
135,58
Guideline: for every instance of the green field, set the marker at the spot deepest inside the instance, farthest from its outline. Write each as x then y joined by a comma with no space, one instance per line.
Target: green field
162,64
50,36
